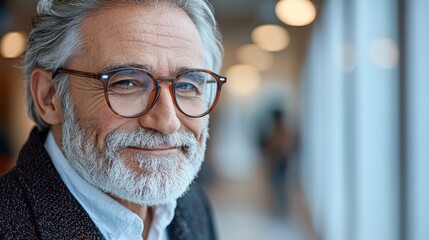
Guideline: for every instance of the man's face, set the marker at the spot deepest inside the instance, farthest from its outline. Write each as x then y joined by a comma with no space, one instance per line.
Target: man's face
153,158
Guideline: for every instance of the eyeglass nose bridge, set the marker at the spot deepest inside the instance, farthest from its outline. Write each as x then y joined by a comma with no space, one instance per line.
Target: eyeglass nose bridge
158,81
165,79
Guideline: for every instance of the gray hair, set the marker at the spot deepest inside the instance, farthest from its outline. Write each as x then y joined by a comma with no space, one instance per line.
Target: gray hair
55,37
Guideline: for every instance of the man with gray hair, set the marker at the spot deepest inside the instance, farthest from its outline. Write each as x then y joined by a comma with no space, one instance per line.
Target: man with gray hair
120,93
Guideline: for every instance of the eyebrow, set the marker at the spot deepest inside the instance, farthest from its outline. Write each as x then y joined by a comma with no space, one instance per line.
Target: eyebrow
128,65
146,67
180,70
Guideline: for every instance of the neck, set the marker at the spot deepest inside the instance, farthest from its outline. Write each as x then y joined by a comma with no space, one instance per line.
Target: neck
144,212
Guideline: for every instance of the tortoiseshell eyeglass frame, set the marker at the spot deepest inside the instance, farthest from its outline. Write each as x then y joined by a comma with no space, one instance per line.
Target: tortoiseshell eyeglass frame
105,76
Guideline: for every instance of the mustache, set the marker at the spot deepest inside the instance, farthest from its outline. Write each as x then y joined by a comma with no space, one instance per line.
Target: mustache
148,138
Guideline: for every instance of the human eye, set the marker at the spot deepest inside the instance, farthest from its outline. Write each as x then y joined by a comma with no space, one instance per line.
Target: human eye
188,88
185,86
125,83
129,82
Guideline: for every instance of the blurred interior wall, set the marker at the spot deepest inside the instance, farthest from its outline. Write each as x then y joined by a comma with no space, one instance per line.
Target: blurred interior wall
417,87
364,137
323,126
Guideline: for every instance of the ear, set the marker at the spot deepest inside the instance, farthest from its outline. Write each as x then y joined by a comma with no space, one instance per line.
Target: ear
45,97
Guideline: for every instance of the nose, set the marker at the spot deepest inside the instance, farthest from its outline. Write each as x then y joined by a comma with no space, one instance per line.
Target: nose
163,115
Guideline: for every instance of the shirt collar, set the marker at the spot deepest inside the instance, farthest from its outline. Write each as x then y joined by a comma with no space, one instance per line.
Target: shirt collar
113,219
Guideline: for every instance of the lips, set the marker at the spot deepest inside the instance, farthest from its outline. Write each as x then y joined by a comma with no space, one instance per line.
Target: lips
157,150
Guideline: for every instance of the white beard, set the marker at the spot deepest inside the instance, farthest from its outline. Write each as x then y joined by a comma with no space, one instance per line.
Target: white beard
143,179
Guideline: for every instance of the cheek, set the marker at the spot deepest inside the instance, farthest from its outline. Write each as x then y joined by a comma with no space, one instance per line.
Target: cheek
94,115
90,107
195,125
88,96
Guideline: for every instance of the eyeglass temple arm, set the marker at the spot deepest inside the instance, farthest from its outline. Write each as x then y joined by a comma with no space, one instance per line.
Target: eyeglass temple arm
75,73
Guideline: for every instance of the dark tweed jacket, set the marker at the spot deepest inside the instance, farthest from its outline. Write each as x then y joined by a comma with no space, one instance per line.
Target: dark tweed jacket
35,204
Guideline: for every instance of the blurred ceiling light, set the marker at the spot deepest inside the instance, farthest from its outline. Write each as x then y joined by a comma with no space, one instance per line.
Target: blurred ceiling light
296,12
384,53
271,37
13,44
250,54
243,80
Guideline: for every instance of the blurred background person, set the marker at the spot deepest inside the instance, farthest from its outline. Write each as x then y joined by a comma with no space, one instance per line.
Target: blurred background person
277,147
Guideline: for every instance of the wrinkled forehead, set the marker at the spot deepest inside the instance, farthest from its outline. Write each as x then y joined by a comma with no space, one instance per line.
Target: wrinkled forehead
141,29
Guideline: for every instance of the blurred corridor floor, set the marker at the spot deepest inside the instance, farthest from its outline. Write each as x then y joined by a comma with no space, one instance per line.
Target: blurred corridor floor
242,211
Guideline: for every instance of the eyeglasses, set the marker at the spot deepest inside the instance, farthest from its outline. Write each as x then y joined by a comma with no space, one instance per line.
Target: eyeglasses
132,92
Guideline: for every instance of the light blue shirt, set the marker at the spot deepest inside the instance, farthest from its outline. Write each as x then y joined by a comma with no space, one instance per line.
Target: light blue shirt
113,219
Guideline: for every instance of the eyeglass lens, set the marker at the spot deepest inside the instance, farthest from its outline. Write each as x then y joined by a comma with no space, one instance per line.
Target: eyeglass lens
131,92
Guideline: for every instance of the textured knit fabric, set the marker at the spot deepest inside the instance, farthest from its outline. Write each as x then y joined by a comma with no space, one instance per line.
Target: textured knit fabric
35,204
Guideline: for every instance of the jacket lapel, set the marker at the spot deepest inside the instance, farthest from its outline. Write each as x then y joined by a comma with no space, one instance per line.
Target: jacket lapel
56,214
179,228
192,220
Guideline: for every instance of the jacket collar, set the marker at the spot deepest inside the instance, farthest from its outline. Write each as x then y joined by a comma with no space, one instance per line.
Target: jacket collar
56,213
